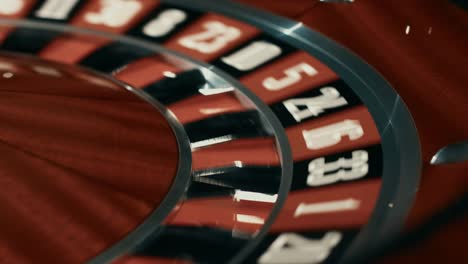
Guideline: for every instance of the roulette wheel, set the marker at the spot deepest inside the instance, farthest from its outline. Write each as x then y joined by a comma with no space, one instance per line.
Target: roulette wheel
145,131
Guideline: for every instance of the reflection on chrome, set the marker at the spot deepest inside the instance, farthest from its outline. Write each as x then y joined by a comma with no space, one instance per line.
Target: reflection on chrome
214,91
211,141
250,219
290,30
254,196
327,207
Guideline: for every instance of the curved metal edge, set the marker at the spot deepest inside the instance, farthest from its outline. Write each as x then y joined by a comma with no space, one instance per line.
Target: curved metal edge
453,153
400,141
179,187
150,225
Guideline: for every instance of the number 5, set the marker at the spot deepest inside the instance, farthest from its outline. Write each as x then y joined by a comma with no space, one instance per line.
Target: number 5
293,75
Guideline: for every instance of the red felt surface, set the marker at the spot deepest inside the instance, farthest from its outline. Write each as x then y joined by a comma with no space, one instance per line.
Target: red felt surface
83,162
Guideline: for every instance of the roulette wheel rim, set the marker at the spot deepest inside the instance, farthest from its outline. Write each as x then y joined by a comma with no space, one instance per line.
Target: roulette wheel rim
399,137
396,115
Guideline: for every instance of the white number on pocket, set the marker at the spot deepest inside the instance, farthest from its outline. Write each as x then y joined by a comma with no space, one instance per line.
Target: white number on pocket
294,249
330,135
164,23
253,56
114,13
343,169
314,106
293,75
216,36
